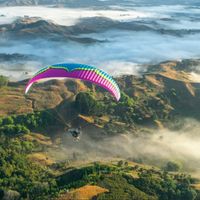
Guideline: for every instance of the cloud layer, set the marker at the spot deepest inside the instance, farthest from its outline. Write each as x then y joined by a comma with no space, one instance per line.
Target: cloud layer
122,51
156,148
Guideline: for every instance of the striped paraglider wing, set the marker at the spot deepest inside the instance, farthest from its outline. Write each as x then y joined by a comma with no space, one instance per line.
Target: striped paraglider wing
77,71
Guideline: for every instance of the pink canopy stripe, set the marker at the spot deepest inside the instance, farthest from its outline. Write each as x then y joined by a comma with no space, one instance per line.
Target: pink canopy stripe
77,71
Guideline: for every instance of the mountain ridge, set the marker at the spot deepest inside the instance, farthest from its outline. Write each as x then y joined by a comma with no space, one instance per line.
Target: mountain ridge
162,86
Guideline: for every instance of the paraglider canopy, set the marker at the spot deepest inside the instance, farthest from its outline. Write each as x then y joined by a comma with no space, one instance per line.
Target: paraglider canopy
77,71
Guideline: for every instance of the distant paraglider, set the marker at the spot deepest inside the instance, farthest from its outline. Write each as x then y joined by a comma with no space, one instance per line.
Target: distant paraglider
77,71
75,132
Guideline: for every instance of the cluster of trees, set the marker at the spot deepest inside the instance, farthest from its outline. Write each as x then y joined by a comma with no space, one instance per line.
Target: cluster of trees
12,129
164,187
119,189
79,177
172,166
122,163
22,124
151,185
18,174
85,103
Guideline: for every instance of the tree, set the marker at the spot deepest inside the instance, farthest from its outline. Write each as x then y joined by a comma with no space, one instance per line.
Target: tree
3,81
18,173
1,121
8,120
14,129
173,166
86,104
126,164
120,163
126,100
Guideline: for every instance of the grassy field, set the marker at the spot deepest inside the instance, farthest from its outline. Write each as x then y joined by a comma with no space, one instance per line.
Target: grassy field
86,192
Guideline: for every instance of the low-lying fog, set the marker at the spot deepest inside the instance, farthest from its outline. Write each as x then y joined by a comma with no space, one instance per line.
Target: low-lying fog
128,50
157,148
123,50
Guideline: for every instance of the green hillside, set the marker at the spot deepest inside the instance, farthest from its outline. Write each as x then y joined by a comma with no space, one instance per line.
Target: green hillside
35,164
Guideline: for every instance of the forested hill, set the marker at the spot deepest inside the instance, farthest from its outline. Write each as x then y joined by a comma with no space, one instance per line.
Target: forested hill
166,91
39,161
